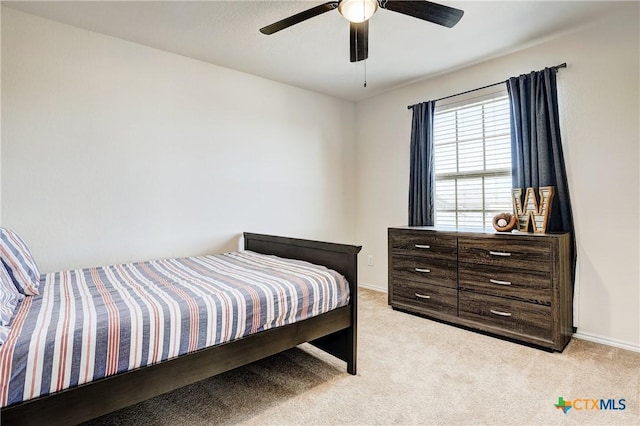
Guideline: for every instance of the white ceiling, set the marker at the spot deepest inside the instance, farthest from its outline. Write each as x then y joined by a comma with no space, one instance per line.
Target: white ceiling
315,54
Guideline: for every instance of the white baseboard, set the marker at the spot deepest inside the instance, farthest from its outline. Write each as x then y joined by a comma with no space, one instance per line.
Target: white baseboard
606,341
372,287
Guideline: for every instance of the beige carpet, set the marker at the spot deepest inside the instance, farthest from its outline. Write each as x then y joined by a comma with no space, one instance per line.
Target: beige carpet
411,371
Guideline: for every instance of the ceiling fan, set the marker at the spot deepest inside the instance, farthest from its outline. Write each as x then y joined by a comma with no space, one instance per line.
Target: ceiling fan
358,12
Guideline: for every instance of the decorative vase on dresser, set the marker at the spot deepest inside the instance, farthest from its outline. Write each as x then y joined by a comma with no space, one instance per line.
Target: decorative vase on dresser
514,285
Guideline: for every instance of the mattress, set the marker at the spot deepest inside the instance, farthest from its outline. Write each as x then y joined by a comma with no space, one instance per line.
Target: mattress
92,323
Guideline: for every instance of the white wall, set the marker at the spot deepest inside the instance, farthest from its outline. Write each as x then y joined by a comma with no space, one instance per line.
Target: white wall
599,104
115,152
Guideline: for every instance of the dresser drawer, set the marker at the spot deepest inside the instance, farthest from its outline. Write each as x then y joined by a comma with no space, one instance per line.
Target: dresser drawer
426,244
425,270
506,252
515,316
425,298
514,284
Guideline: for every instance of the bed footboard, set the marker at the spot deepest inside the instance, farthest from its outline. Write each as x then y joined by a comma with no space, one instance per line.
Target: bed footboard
342,258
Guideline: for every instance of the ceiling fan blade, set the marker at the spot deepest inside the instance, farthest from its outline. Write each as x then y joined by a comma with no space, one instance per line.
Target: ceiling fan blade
359,40
426,10
299,17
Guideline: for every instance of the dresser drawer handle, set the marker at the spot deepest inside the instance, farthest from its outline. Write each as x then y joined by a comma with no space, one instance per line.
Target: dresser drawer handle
500,253
422,246
502,314
422,296
499,282
426,271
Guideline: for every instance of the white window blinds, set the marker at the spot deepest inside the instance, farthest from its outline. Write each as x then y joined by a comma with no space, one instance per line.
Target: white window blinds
472,152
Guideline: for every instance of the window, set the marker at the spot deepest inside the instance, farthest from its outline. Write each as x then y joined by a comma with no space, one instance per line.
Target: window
472,152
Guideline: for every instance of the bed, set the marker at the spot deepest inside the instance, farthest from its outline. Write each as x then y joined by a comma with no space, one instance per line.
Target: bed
334,331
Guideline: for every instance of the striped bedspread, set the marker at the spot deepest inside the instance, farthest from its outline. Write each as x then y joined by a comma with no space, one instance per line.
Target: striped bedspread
92,323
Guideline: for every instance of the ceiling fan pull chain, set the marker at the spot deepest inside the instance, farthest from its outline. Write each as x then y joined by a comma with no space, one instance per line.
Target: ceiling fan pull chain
364,62
365,73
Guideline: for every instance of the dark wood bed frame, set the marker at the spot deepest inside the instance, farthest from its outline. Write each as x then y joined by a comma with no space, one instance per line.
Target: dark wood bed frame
334,332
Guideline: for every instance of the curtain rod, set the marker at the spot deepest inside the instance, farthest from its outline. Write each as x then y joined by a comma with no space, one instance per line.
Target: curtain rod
563,65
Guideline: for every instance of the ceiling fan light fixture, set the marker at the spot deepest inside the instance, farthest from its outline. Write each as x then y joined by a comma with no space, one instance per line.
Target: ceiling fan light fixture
357,10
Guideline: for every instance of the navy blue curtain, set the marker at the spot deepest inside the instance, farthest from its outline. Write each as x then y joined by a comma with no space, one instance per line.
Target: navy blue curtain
422,178
536,146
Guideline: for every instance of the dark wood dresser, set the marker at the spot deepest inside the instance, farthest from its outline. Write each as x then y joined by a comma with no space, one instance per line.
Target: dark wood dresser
515,285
